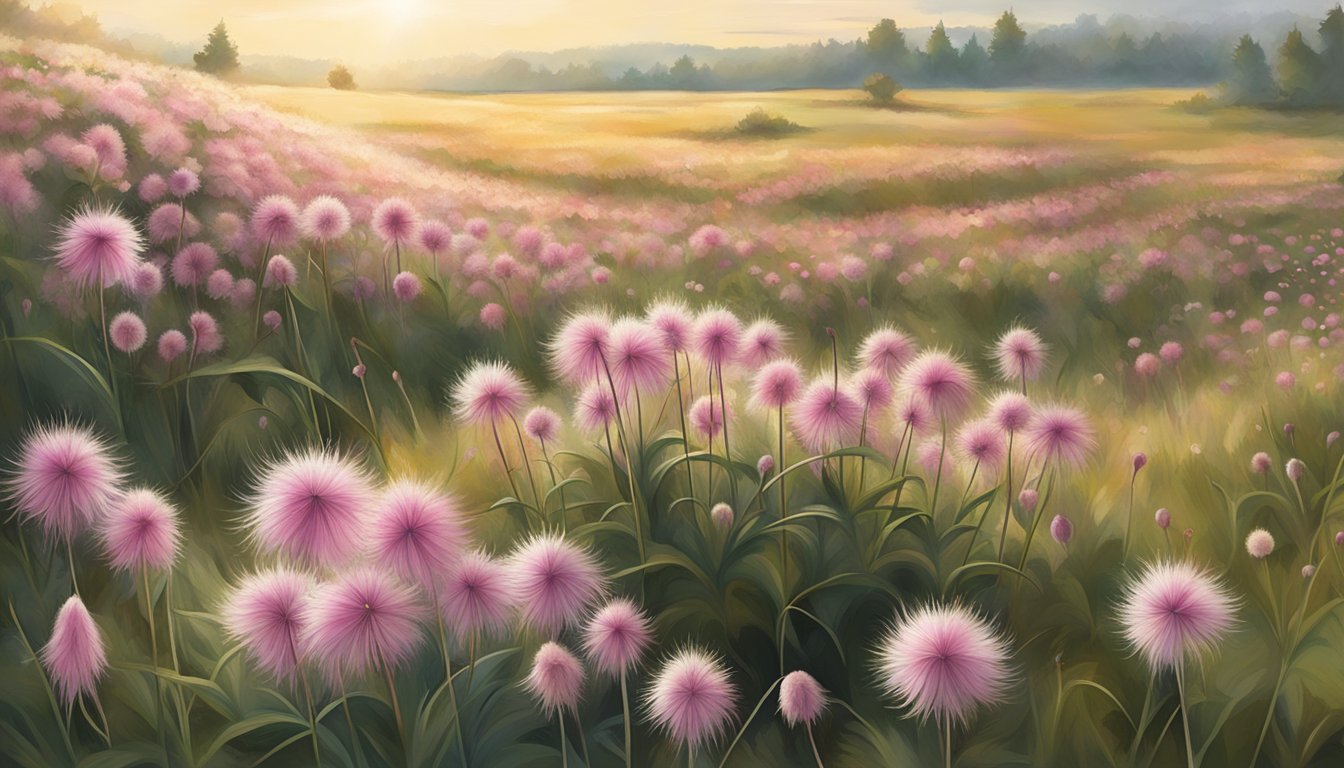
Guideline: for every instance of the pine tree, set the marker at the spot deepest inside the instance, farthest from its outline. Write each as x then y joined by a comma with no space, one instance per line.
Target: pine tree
974,61
1332,56
1299,66
1251,81
942,61
220,55
886,43
1009,41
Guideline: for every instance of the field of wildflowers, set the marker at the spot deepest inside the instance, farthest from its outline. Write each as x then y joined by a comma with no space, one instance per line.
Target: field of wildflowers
332,443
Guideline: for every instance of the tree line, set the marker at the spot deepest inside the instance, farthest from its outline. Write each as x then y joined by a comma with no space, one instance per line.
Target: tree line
1303,77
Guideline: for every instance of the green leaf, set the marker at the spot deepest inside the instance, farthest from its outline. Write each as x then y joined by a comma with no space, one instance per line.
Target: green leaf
123,756
81,367
1097,686
249,725
985,565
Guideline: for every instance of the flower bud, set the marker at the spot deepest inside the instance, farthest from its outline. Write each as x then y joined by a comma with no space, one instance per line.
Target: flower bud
1163,518
1061,529
1140,461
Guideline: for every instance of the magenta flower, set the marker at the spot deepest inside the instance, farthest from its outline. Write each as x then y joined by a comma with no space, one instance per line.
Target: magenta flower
280,273
146,281
1011,411
219,285
311,506
554,580
802,700
193,264
941,381
1295,470
477,595
1061,433
325,219
542,424
943,662
691,697
777,384
616,636
488,393
205,335
1019,355
1163,518
596,408
717,336
887,350
416,531
556,679
674,321
361,620
127,332
74,656
1147,365
98,246
435,237
912,414
65,479
579,350
406,286
1061,529
183,183
1173,610
275,221
637,357
394,221
141,531
706,416
265,613
172,343
981,442
826,417
872,389
762,342
1260,463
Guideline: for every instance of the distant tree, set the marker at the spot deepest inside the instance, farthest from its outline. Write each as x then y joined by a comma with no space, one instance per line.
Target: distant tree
1251,82
220,55
942,55
886,43
1298,69
1009,43
684,73
881,88
1332,56
974,60
340,78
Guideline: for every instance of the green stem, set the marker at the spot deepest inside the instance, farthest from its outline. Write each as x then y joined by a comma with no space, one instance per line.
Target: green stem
1185,714
625,711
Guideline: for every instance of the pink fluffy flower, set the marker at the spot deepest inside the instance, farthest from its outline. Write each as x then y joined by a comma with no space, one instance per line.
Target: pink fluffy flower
141,531
361,620
674,321
579,351
542,424
595,408
127,332
193,264
220,285
706,416
556,679
477,595
1171,352
943,661
406,286
152,188
167,223
1019,355
205,335
1010,411
1147,365
616,636
394,221
74,656
172,343
1260,544
275,221
488,393
691,697
555,581
65,479
1174,610
777,384
981,442
146,281
183,182
435,237
802,700
887,350
944,383
717,337
637,358
265,613
325,219
1061,529
762,342
826,417
280,273
1260,463
416,531
1062,434
872,389
493,316
98,246
311,506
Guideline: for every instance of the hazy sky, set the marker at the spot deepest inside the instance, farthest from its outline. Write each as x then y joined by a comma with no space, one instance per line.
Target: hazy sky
385,31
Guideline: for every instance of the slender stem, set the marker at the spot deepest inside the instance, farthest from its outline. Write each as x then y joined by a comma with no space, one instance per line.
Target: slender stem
564,506
685,437
564,743
1036,518
531,480
813,741
947,741
625,711
508,469
1008,497
154,662
46,684
102,314
938,477
583,740
102,715
783,512
70,558
1185,714
1129,516
629,466
261,280
392,694
350,723
452,688
727,450
312,719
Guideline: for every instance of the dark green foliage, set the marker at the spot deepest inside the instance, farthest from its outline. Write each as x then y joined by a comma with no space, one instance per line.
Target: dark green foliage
886,43
1299,71
881,88
758,122
942,55
1009,42
220,55
1251,82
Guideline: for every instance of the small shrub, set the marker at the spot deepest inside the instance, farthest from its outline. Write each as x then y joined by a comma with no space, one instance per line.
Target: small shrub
761,123
882,89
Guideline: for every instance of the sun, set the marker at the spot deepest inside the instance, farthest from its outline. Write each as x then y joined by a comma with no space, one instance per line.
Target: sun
402,11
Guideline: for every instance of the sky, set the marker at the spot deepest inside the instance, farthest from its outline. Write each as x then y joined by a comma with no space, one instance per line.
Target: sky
383,32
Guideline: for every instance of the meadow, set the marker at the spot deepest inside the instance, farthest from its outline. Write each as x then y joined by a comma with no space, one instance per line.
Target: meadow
344,428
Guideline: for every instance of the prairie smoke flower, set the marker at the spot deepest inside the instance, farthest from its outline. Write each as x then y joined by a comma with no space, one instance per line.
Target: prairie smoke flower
394,221
542,424
579,350
674,321
435,237
777,384
167,223
981,442
887,350
127,332
1260,463
325,219
275,221
265,614
1061,433
596,408
406,286
280,273
416,531
98,245
1173,610
1061,529
74,656
1027,499
913,415
706,415
556,679
219,285
554,580
762,342
722,515
1011,411
1295,469
361,620
1163,518
765,465
691,697
826,417
1260,543
943,662
1019,355
183,182
944,383
244,291
616,636
272,319
493,316
1139,461
65,479
141,531
172,343
802,700
637,357
311,506
193,264
1308,571
205,335
717,336
488,393
872,389
477,595
1171,352
152,188
146,281
1147,364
